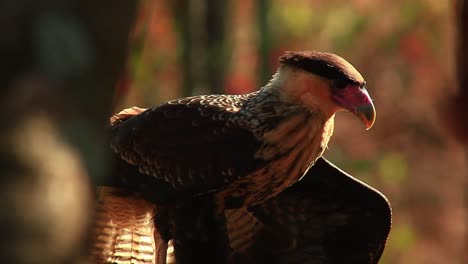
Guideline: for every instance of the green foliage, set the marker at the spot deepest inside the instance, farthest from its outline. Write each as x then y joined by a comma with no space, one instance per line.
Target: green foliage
393,168
402,239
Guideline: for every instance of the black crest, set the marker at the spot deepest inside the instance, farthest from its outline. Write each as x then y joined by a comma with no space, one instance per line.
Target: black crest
328,65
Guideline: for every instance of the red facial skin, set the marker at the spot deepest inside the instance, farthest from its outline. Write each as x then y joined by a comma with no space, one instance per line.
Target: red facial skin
356,99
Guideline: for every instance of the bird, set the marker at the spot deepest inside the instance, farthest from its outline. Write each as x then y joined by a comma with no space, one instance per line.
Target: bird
327,217
210,153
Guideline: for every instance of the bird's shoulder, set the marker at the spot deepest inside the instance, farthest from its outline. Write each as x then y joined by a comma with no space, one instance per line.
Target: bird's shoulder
193,143
178,122
214,102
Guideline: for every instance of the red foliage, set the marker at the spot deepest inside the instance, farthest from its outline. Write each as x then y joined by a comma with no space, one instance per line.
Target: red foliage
239,84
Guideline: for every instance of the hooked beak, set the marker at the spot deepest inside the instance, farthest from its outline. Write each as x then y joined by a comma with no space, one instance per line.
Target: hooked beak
356,99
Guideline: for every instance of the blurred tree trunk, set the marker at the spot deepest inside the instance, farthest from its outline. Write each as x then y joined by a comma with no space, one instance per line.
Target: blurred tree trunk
201,28
462,74
215,45
459,103
265,41
457,107
60,62
181,10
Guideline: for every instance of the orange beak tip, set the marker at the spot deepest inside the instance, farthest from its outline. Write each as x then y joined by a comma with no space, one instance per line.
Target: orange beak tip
367,114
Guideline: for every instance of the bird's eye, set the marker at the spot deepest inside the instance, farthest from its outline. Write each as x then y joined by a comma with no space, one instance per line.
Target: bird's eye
339,83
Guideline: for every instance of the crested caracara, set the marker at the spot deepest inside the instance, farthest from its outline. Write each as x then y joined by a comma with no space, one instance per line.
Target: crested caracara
210,153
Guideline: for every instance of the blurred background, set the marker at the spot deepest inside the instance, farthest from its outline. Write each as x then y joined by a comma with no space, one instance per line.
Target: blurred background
405,51
62,59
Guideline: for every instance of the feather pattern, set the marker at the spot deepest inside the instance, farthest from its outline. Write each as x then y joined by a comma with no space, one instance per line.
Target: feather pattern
123,229
223,142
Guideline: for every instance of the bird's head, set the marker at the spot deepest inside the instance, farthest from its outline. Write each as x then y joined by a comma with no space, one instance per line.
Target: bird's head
324,80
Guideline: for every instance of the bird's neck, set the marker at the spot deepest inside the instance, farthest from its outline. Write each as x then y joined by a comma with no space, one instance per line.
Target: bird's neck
281,98
267,113
298,87
285,117
267,108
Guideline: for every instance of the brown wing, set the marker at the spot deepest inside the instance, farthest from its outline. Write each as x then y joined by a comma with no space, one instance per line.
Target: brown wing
327,217
189,145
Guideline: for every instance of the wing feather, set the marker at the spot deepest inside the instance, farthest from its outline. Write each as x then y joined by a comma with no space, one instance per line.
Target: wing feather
327,217
192,144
